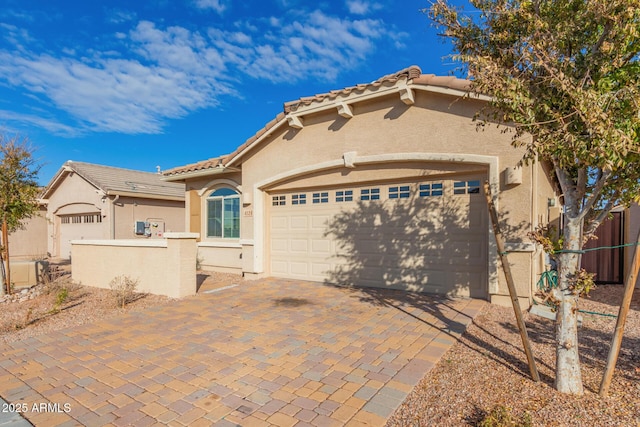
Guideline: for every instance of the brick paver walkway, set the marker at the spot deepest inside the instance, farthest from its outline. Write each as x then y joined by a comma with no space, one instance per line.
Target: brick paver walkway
269,352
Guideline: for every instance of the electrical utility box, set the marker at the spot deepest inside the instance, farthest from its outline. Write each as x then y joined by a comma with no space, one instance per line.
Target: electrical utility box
152,228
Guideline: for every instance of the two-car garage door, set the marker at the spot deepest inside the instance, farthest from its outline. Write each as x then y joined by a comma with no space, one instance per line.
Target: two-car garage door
78,227
428,235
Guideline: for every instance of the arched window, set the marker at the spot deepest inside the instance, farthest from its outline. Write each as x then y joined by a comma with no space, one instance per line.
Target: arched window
223,214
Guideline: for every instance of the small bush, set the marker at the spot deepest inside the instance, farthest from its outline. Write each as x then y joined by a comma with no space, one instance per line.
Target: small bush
501,416
123,289
61,298
56,280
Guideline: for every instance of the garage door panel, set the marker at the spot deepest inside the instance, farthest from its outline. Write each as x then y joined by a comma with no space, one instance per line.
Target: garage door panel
321,246
436,244
279,268
299,222
279,223
299,268
279,245
299,246
319,222
466,250
319,269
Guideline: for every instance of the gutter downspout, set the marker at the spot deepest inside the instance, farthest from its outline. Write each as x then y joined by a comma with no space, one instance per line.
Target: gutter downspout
112,219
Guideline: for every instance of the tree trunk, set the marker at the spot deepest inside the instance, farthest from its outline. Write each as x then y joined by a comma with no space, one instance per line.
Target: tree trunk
568,374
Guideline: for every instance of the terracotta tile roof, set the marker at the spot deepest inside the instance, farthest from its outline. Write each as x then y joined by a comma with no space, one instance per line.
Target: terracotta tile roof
407,73
412,74
193,167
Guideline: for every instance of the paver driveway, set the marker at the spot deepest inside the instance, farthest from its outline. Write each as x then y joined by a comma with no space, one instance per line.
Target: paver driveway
268,352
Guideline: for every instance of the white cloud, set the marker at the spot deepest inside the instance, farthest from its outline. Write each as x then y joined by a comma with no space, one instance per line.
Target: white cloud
50,125
153,73
217,5
318,46
174,76
358,7
313,45
121,16
362,7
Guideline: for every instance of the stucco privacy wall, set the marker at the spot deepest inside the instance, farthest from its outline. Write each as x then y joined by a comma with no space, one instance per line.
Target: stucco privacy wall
30,242
160,266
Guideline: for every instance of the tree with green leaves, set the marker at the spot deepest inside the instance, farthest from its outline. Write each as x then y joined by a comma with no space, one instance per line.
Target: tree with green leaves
564,76
18,192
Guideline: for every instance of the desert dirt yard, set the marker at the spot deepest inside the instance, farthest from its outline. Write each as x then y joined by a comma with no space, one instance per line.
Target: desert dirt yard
484,376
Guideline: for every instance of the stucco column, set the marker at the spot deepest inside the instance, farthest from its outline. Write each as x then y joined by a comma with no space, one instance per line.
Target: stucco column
182,251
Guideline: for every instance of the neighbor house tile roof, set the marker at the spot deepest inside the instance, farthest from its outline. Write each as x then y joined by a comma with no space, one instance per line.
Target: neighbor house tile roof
193,167
411,74
113,181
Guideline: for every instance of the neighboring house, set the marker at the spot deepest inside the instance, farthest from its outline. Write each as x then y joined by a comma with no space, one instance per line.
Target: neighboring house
88,201
379,185
631,233
612,263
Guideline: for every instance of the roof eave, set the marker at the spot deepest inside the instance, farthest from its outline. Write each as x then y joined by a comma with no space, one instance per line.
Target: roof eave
183,176
55,181
235,158
450,91
144,195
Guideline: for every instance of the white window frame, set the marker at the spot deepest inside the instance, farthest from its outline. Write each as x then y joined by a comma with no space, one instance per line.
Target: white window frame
222,198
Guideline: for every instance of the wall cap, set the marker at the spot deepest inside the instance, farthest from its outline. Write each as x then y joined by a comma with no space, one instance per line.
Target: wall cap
150,243
174,235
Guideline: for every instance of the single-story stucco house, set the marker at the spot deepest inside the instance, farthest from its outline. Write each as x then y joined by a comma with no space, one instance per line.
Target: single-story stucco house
378,184
89,201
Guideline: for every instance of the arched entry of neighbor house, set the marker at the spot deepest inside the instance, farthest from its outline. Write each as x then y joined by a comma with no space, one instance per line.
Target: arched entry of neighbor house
427,233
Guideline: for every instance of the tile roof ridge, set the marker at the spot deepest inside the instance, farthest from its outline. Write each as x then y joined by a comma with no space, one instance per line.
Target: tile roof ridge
408,73
202,164
71,163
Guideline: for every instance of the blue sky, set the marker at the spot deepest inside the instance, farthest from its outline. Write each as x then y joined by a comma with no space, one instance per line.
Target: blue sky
136,84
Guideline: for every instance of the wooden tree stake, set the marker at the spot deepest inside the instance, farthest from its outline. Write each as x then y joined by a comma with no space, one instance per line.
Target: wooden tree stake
616,341
5,243
510,284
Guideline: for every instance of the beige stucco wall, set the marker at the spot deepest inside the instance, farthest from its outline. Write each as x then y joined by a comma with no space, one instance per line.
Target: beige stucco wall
220,257
160,266
128,210
30,242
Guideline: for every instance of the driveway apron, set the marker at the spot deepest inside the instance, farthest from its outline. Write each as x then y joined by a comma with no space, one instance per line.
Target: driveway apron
268,352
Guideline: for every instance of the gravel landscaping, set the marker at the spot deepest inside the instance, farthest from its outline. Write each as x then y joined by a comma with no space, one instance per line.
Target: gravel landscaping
487,370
